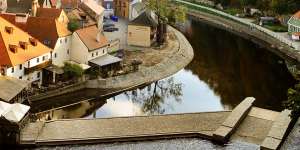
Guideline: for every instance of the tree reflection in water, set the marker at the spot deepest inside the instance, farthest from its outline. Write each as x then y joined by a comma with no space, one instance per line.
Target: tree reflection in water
153,98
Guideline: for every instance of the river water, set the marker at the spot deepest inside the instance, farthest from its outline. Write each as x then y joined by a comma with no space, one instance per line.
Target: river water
225,70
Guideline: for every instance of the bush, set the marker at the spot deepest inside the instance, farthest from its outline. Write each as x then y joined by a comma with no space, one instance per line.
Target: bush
73,25
73,70
293,102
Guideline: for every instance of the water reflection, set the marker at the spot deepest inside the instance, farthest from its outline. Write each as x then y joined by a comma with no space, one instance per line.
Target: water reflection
225,70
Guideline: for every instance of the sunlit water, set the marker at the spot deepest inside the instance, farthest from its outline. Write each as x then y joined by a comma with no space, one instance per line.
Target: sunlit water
225,70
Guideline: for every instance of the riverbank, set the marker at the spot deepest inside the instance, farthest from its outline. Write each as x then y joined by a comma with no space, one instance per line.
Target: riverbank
284,48
176,55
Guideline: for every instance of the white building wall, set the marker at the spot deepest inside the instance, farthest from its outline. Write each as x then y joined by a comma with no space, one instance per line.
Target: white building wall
19,72
97,53
3,5
61,52
79,52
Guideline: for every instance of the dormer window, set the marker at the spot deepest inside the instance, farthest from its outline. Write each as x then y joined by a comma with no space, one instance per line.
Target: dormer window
33,41
9,30
13,48
23,45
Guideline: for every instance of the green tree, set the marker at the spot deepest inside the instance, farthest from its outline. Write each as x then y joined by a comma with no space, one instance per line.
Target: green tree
164,11
72,70
293,102
73,25
248,2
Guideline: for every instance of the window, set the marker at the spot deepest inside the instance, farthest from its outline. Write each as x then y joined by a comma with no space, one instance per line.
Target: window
66,40
21,67
92,54
37,60
55,55
38,75
20,77
43,58
103,51
68,51
60,41
28,63
96,53
12,69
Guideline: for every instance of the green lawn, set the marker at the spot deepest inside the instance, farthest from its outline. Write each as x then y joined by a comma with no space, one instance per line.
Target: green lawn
233,11
277,28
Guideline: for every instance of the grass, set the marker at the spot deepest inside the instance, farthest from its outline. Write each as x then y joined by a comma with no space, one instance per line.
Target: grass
233,11
276,27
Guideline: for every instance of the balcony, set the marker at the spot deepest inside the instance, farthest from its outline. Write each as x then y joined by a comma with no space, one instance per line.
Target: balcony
38,67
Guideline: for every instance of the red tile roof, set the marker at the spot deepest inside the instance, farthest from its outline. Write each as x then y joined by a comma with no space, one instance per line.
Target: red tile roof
49,12
44,29
89,37
9,58
297,15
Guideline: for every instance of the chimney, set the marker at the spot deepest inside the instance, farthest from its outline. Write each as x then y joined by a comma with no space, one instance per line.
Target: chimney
34,7
98,37
9,30
13,48
33,41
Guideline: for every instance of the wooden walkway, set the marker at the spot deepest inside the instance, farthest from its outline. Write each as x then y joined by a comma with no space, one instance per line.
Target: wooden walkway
245,123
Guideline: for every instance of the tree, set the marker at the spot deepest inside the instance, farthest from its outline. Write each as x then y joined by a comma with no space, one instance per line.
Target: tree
293,102
73,25
72,70
164,11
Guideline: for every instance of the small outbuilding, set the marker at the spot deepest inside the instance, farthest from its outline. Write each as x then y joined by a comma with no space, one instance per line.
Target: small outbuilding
141,30
294,26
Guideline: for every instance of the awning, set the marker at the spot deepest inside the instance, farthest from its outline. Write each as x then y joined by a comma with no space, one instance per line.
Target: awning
83,66
105,60
55,69
11,87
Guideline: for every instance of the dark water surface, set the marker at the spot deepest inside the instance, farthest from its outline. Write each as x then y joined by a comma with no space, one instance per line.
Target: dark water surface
225,70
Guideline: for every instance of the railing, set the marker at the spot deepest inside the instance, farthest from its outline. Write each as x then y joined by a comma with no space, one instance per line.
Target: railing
239,20
38,67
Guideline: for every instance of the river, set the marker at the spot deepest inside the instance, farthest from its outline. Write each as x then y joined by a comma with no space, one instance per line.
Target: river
226,69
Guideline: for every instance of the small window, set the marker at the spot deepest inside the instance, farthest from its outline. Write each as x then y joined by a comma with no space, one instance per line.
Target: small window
68,51
21,67
37,60
103,51
92,54
60,41
12,70
66,40
96,53
38,75
20,77
55,55
29,63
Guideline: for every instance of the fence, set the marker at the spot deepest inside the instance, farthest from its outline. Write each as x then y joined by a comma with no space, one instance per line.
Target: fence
241,21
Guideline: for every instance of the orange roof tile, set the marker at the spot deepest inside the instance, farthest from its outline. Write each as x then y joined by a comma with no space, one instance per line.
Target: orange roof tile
7,57
297,15
89,37
49,12
44,29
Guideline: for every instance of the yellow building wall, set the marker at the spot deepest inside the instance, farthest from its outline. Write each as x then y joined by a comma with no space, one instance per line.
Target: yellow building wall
139,36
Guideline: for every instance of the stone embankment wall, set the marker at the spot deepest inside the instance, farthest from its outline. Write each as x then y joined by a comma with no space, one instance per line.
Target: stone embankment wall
170,65
278,44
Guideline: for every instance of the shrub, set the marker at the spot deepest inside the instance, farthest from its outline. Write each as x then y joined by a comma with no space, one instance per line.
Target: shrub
73,70
293,102
73,25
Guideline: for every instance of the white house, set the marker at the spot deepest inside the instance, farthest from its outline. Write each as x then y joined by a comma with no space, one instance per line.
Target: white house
21,55
294,26
88,44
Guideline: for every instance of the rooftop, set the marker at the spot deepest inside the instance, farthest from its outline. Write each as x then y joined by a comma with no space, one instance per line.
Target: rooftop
11,51
105,60
88,36
144,19
11,87
13,112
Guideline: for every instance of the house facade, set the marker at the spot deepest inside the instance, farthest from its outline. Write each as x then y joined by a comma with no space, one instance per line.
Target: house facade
3,5
141,31
294,26
22,56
